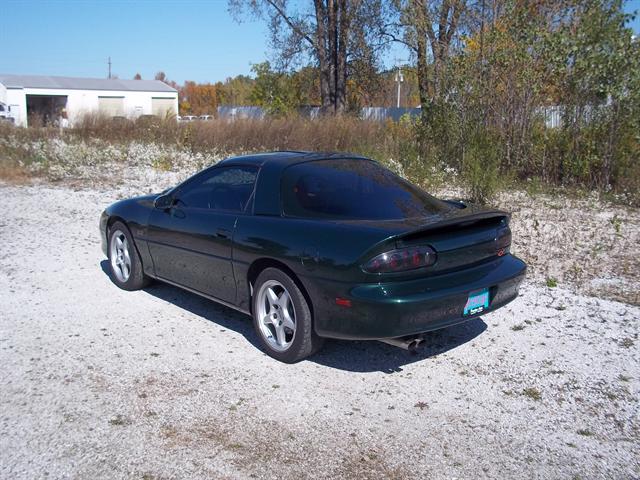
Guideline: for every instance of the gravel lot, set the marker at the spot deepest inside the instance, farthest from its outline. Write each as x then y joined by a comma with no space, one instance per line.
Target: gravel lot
161,384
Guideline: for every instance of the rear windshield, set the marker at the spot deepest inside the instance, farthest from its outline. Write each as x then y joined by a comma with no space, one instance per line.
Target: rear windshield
353,189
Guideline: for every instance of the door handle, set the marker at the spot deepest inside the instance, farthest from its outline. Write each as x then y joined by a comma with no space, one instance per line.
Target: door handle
223,233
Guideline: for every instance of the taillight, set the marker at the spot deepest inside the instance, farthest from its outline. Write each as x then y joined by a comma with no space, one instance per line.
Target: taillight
401,259
503,241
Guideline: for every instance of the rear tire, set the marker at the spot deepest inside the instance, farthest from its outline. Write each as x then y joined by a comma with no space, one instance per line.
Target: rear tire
124,260
282,318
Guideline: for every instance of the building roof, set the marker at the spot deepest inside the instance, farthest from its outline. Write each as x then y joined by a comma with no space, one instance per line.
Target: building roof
74,83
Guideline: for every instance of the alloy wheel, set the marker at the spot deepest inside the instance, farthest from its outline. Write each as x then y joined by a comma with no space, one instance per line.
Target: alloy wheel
276,315
120,258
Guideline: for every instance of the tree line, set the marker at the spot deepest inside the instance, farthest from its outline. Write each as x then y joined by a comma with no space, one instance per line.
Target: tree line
483,72
486,73
284,92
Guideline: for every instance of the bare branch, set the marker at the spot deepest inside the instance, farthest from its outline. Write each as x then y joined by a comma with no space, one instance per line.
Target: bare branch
291,23
396,39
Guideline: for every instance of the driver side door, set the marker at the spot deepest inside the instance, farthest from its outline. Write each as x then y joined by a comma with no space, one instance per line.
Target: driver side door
191,241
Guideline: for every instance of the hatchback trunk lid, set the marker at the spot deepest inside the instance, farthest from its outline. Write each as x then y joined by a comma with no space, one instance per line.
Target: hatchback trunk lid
461,237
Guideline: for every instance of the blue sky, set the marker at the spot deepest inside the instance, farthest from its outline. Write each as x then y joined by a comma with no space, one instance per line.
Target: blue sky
188,39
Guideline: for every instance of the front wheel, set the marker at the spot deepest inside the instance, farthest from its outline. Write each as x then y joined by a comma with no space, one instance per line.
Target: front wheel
282,318
125,263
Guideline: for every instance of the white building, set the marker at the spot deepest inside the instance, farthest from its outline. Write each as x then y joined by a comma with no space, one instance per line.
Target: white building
3,102
26,96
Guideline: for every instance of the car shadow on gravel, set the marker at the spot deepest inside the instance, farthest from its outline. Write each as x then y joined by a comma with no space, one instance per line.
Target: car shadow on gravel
372,356
225,317
355,356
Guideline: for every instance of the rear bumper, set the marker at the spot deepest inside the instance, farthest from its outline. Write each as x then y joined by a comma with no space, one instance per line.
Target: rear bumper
396,309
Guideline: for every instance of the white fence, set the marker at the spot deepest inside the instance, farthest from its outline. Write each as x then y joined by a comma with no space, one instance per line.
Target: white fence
552,115
382,113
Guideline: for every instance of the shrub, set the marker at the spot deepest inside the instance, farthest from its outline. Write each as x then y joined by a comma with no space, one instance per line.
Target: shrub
481,166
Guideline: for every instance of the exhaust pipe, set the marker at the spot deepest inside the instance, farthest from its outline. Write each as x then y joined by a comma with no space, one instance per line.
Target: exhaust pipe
410,344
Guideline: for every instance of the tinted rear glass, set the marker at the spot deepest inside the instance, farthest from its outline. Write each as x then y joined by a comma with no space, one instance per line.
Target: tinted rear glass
353,189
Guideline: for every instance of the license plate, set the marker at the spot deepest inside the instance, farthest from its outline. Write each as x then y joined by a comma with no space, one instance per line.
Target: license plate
477,302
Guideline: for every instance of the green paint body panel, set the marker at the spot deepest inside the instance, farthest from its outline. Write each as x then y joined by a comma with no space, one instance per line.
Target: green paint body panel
327,256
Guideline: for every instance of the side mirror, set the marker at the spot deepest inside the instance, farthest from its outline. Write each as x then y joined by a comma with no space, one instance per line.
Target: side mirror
163,202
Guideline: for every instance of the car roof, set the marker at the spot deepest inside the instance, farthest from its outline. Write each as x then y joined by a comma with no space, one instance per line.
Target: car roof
287,157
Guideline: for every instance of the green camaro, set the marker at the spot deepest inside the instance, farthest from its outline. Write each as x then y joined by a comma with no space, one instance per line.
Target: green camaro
314,246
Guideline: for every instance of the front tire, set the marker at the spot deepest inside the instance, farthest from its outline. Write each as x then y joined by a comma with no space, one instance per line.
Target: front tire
124,261
282,318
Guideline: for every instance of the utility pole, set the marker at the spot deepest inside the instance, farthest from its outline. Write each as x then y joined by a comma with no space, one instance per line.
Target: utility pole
109,63
399,79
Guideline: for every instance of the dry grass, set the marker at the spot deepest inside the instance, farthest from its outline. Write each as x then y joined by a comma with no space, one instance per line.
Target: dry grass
245,135
14,173
396,144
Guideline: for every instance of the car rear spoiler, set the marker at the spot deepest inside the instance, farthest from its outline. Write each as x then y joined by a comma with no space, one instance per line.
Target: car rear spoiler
459,220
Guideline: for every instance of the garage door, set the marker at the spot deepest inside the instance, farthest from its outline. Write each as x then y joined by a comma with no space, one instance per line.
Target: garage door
163,107
111,106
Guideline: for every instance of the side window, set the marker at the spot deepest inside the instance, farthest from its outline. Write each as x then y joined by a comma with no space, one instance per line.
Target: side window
225,188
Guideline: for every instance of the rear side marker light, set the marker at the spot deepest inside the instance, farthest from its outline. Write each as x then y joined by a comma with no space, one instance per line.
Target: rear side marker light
401,259
343,302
